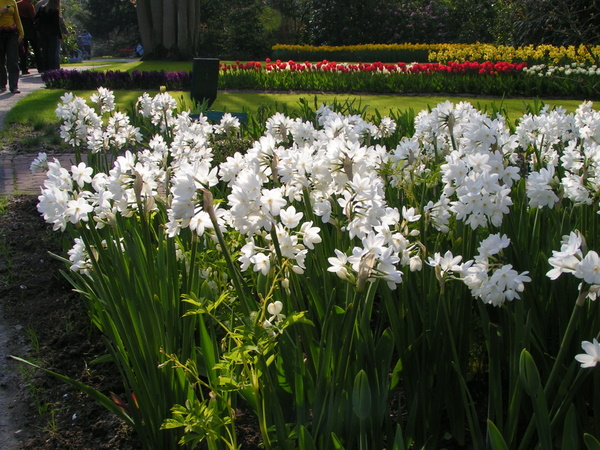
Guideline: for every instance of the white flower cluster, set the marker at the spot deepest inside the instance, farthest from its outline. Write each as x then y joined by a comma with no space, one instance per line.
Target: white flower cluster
565,155
570,259
83,127
135,179
330,168
543,70
479,169
487,279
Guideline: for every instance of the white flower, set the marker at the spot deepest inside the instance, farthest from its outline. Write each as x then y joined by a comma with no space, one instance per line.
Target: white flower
78,209
39,164
105,100
261,263
446,263
228,125
290,218
272,201
339,265
591,357
82,174
275,309
589,268
492,245
410,214
310,235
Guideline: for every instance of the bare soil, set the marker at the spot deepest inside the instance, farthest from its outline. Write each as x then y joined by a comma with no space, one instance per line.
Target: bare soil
43,320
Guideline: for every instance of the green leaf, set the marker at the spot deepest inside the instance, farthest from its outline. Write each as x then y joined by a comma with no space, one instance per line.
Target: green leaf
396,374
93,393
399,440
591,442
338,309
305,439
495,437
337,444
530,377
570,434
361,396
108,358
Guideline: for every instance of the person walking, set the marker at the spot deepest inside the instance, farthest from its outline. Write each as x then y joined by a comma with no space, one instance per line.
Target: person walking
11,34
27,14
86,45
49,29
39,4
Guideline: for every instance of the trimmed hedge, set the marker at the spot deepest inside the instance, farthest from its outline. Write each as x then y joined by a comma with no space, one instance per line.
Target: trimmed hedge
356,53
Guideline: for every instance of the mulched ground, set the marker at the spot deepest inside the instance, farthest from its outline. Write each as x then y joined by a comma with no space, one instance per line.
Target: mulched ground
54,331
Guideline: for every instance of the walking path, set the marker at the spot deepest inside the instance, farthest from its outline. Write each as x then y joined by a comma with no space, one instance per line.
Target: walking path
15,176
14,169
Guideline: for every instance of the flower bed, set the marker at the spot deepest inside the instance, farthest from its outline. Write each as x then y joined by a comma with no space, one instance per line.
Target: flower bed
471,78
532,54
442,53
347,280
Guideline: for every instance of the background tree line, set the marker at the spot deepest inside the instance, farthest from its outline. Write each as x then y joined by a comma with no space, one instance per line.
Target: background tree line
246,29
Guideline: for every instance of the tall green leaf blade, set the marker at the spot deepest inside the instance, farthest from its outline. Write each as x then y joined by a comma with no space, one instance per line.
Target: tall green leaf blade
591,442
570,438
361,396
495,437
93,393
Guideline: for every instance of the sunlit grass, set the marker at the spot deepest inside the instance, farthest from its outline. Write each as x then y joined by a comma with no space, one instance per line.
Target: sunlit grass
40,105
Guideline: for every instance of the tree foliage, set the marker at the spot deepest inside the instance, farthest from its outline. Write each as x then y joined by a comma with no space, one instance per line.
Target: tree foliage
246,29
557,22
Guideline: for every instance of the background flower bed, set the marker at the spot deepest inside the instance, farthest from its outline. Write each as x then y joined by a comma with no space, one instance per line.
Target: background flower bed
472,78
443,53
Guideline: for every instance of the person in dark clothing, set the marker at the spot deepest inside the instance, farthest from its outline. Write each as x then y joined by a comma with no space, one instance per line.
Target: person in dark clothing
11,34
48,25
86,45
27,13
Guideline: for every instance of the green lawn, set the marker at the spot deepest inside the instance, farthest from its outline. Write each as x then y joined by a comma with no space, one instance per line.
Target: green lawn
39,106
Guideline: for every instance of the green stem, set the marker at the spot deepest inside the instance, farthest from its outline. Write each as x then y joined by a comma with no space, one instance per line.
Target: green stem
466,397
235,276
564,348
555,372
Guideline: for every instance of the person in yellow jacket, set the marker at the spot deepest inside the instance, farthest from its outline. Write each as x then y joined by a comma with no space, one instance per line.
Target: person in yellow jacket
11,35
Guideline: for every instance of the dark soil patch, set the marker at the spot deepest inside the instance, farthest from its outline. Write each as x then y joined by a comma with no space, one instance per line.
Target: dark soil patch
47,323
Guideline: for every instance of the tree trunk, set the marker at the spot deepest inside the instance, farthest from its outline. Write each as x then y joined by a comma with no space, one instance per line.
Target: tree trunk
144,18
157,20
183,30
169,26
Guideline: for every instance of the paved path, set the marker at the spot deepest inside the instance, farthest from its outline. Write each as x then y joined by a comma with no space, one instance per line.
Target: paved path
15,176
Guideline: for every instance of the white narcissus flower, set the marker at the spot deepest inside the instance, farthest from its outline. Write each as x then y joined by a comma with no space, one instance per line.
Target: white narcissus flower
78,209
339,265
446,263
82,174
39,164
275,309
105,99
290,218
492,245
591,357
589,268
261,263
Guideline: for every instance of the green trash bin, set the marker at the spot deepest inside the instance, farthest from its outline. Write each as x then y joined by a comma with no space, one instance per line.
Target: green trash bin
205,80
